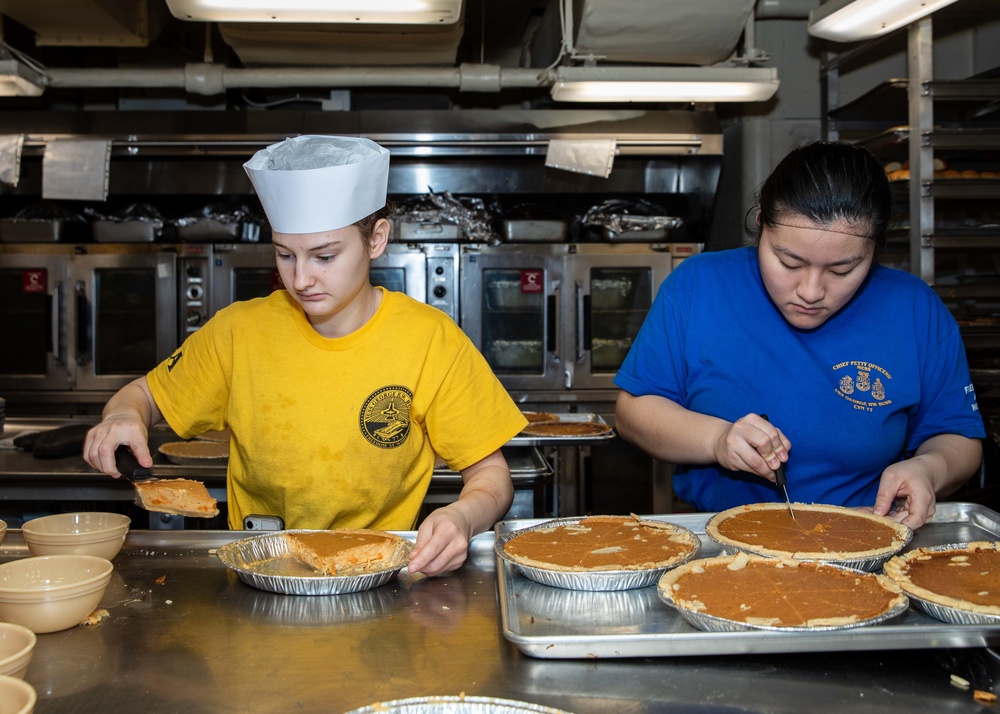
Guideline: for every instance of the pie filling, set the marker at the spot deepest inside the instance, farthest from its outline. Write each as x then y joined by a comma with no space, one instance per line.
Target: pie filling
347,551
779,593
602,543
824,530
966,578
178,496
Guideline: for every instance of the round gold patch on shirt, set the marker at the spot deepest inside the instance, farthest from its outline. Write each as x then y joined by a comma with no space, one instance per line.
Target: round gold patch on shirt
385,416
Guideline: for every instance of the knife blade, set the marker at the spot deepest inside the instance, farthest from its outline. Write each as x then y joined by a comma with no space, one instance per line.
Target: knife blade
781,479
129,466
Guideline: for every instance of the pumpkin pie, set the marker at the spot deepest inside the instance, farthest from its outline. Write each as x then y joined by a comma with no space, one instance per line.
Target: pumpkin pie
759,592
602,543
963,577
818,532
567,428
348,551
180,496
540,417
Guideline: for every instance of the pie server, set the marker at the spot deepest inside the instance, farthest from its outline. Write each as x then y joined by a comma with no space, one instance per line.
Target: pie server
129,466
781,479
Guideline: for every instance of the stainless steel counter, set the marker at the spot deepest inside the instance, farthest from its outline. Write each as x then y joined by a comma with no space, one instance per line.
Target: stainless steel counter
184,635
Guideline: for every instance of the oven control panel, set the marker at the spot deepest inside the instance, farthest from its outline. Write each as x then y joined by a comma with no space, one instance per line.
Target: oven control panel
195,288
442,277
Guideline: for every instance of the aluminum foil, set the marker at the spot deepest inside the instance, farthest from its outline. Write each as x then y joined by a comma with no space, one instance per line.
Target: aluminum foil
264,562
711,623
469,213
952,615
869,565
603,580
454,705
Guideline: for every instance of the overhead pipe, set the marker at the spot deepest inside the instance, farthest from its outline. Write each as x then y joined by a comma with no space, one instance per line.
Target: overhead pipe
212,79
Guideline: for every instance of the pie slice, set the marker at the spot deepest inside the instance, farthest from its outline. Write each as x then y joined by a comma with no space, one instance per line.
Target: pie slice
540,417
760,592
179,496
818,532
602,543
348,551
567,428
964,577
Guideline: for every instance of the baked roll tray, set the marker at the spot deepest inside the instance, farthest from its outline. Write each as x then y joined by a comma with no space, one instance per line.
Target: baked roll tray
529,440
554,623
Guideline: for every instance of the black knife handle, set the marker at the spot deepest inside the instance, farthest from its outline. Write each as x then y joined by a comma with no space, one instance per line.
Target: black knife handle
779,473
129,466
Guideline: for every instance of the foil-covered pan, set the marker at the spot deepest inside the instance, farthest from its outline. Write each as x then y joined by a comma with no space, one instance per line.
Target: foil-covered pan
603,580
712,623
455,705
952,615
264,562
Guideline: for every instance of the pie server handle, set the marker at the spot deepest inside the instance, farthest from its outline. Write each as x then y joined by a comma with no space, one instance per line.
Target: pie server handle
129,466
781,478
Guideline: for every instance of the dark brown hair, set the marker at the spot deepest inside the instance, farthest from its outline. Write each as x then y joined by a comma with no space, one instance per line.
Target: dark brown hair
366,225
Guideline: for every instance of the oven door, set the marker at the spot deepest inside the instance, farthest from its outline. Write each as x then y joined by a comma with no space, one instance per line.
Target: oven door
511,308
613,287
242,272
33,304
402,268
125,314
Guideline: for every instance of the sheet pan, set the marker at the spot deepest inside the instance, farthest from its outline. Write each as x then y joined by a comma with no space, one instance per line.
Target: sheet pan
526,440
551,623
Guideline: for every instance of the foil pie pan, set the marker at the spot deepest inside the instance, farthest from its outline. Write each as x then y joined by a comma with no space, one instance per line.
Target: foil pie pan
713,623
455,705
952,615
869,565
603,580
264,562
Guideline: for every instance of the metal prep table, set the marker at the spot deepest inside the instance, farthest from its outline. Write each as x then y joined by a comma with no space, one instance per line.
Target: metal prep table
184,635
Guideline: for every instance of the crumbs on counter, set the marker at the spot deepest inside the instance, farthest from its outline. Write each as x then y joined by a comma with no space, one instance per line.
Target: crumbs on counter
162,579
95,617
984,697
959,682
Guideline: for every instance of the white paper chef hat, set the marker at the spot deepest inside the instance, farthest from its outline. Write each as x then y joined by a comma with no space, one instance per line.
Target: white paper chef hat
309,184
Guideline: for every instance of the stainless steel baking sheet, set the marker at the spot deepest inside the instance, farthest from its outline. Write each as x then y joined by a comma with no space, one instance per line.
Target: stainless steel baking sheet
526,440
552,623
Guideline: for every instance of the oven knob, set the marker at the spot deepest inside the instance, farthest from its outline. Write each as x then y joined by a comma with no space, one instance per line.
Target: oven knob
195,292
440,291
439,270
194,318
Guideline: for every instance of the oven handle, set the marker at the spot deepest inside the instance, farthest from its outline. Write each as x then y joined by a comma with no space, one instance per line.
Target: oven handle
83,336
583,337
55,318
551,322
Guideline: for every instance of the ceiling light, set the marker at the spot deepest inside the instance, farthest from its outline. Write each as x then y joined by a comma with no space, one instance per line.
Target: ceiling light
851,20
19,80
655,84
412,12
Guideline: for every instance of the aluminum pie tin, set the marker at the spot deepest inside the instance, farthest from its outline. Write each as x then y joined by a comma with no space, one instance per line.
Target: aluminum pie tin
265,562
951,615
455,705
603,580
713,623
870,564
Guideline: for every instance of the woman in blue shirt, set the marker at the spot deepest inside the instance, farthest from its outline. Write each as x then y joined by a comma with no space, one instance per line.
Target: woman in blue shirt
860,368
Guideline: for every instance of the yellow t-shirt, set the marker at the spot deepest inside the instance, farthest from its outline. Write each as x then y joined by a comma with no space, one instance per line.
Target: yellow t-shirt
335,432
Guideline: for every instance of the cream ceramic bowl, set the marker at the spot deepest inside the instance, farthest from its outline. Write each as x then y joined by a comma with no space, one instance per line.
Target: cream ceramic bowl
98,534
52,592
3,530
16,696
17,643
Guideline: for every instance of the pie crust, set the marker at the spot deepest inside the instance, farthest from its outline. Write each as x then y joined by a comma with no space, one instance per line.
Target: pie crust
540,417
348,551
179,496
602,543
567,428
762,592
964,576
819,532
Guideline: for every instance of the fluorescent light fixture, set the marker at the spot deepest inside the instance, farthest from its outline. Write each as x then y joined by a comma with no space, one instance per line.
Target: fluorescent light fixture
851,20
19,80
666,84
400,12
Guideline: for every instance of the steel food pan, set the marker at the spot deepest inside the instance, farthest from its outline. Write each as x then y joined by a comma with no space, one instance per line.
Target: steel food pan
544,626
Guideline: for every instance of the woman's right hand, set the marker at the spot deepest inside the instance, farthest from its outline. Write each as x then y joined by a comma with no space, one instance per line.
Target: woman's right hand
105,438
752,444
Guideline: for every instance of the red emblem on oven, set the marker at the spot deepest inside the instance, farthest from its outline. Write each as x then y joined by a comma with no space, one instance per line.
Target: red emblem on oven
532,281
34,282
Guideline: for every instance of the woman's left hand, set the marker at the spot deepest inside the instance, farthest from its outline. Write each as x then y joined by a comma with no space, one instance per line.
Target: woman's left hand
906,493
442,542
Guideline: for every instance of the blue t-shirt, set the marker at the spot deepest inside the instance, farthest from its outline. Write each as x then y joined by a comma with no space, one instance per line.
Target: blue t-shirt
856,394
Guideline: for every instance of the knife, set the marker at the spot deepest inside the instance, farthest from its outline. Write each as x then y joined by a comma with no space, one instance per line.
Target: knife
129,466
781,479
